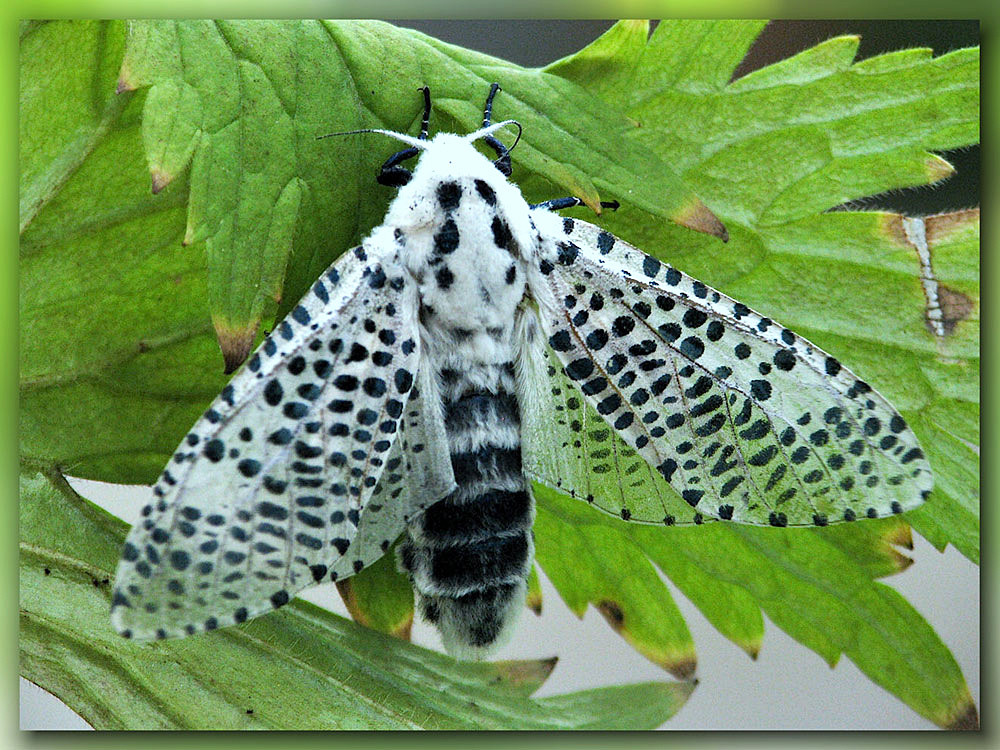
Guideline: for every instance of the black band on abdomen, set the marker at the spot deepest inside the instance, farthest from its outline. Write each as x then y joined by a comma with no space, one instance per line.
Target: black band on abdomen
470,553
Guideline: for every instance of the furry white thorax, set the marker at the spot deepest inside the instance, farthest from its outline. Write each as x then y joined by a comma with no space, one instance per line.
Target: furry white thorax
449,156
480,299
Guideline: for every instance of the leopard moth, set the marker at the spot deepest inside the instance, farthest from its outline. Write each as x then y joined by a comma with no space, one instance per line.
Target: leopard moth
472,344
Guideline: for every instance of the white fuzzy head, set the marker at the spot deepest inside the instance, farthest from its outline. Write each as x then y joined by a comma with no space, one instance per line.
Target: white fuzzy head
449,156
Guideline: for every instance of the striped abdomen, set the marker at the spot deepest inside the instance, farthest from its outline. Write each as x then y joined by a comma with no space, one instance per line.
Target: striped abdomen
469,554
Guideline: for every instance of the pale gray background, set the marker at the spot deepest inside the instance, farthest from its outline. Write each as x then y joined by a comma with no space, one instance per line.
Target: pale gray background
788,686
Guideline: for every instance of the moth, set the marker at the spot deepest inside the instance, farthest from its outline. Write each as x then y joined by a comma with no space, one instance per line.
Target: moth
471,345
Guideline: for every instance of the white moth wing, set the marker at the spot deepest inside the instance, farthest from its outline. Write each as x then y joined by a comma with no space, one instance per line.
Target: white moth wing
569,446
417,473
745,420
267,491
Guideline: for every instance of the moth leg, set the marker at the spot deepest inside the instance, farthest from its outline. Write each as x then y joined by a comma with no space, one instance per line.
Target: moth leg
559,203
393,175
503,153
425,123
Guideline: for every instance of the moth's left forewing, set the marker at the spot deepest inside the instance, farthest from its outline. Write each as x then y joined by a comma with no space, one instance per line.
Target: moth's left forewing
271,490
745,420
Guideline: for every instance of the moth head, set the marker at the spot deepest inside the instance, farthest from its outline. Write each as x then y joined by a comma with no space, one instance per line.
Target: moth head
450,154
393,174
453,159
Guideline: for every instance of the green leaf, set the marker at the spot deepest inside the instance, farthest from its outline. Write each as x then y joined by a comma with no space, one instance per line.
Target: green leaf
626,63
595,564
119,354
300,668
246,101
76,113
130,358
874,546
380,597
816,585
534,598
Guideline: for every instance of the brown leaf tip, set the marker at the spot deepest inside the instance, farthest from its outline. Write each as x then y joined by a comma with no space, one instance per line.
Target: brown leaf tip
160,180
937,168
901,536
235,343
941,227
526,672
968,720
682,669
404,630
901,561
123,84
346,591
534,603
613,613
697,216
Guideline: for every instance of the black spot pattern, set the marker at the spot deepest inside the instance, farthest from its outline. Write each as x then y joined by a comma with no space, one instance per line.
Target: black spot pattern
468,555
321,389
449,195
719,376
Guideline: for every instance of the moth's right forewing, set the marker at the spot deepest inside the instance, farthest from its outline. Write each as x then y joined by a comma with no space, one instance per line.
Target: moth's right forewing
744,419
